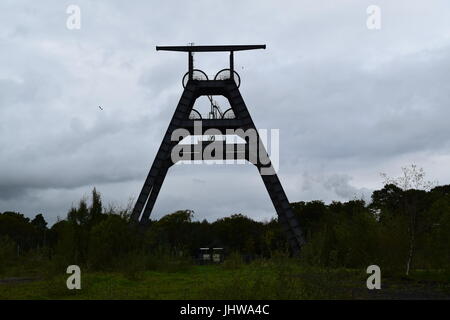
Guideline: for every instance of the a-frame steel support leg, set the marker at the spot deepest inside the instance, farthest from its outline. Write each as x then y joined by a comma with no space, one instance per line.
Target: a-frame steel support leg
161,163
273,186
154,193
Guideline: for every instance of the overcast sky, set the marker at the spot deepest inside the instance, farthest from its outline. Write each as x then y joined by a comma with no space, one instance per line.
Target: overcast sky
349,102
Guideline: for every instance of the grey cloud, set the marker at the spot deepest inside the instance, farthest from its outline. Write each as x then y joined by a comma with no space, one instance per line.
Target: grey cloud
329,187
9,192
340,184
349,102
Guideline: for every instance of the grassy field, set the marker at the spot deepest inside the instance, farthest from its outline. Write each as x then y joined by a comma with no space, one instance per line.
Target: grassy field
258,280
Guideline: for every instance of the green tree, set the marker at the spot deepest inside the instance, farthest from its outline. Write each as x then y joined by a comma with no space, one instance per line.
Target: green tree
41,226
110,241
173,231
413,205
96,209
19,229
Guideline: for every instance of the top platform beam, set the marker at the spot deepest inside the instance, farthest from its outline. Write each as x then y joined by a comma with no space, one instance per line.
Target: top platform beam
229,48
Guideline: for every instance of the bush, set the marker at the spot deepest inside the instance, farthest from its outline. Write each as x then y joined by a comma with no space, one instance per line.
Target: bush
7,252
164,261
233,261
110,242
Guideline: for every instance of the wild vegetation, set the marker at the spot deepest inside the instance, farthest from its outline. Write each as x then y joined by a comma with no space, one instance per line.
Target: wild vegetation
406,231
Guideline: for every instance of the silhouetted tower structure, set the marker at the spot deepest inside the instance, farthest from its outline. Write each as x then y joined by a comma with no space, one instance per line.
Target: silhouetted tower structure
225,83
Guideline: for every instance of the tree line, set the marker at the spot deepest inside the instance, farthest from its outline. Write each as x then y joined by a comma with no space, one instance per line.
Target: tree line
398,230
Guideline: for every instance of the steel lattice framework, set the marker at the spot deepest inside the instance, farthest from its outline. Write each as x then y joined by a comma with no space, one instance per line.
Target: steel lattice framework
228,88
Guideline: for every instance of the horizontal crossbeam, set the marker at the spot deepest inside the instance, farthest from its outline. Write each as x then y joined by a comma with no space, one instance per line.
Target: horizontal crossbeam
211,48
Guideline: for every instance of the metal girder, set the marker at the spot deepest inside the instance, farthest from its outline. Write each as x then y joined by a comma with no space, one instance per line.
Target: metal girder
180,120
217,48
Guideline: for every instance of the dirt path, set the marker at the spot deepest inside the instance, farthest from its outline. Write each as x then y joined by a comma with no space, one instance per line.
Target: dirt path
17,280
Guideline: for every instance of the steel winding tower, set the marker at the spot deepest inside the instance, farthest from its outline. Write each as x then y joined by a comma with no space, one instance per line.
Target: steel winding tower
225,83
